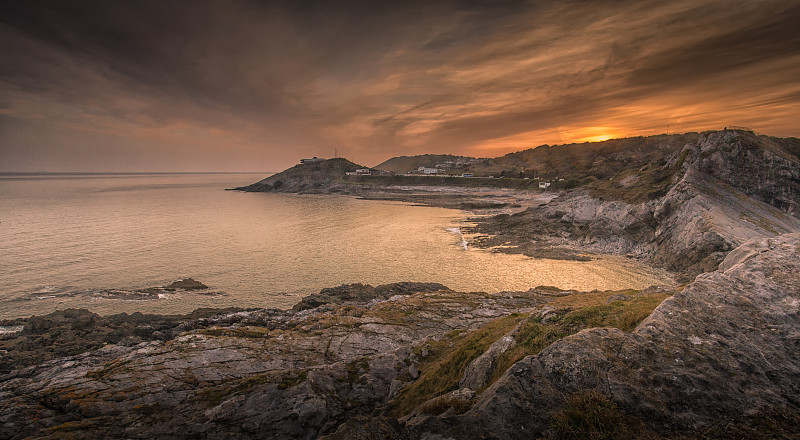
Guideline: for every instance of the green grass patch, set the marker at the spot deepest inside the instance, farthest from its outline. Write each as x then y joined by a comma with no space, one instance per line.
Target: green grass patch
448,358
652,183
589,310
590,415
355,371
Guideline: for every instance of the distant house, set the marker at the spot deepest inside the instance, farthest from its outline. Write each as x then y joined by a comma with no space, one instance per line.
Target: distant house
363,172
544,185
312,160
429,170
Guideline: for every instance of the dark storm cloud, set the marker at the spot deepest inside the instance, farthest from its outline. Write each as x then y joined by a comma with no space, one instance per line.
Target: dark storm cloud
245,84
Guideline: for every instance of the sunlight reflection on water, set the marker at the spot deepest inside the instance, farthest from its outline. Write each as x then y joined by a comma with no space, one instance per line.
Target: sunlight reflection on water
62,240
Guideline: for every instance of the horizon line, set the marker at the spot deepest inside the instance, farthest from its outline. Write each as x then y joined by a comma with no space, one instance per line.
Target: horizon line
46,173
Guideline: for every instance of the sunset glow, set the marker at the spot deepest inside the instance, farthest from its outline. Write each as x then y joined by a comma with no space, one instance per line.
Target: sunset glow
589,134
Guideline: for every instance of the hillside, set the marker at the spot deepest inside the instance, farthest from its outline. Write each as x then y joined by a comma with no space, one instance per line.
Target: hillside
305,177
684,215
403,164
596,160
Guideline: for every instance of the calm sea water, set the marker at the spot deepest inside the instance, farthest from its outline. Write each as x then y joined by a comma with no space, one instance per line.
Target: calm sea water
63,239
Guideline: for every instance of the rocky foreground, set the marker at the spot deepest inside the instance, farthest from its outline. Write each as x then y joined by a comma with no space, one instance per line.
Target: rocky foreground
420,361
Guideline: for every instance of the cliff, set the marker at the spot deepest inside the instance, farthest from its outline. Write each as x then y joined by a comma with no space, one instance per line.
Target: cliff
593,160
685,215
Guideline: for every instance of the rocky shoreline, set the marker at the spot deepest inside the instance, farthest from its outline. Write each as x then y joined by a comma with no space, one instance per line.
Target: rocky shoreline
683,213
717,357
414,360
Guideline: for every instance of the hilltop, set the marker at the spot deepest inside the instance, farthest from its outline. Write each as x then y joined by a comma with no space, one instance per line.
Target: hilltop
683,212
305,177
597,160
404,164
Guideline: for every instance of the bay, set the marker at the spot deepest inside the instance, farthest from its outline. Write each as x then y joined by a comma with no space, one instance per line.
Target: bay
65,239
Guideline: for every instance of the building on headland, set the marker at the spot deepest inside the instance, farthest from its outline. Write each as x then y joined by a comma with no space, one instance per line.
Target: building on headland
544,185
312,160
426,170
363,172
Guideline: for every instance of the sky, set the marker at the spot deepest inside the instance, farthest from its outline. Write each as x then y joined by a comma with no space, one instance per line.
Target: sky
245,85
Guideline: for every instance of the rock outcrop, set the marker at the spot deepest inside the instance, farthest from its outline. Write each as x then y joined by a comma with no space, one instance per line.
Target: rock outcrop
186,284
246,374
364,293
728,346
419,361
711,203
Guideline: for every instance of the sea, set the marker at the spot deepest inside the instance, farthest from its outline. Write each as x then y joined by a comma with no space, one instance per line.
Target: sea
79,240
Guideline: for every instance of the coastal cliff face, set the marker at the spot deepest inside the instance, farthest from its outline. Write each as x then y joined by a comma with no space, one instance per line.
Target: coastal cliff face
710,197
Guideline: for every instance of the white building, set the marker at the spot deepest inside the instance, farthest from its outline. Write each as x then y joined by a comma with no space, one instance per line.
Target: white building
544,185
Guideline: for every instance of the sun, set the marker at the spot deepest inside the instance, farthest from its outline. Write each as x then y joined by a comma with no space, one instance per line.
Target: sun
598,138
589,134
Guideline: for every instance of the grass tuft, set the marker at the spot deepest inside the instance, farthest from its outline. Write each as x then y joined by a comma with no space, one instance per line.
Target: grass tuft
590,415
444,367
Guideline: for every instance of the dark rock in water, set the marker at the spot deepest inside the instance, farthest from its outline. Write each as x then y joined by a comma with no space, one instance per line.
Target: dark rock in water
361,293
186,284
154,293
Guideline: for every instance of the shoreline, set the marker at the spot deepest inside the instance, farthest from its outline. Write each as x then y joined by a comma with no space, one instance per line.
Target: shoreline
148,297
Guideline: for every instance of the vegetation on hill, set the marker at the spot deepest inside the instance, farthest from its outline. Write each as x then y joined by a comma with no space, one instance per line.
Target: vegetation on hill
305,176
403,164
600,160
